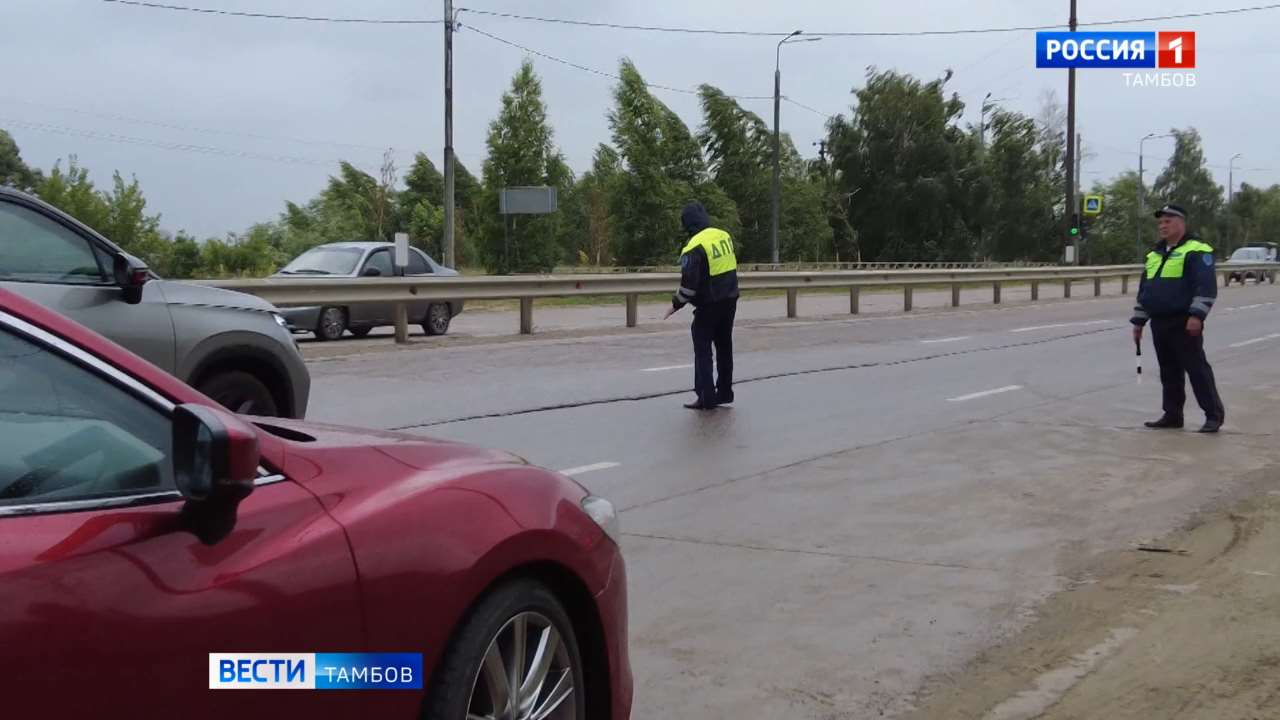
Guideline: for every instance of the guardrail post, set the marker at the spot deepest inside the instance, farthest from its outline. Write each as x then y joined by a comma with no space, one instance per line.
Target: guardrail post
1035,290
906,298
633,309
402,324
995,292
955,294
1066,288
1124,284
1226,278
1097,287
853,300
526,316
791,301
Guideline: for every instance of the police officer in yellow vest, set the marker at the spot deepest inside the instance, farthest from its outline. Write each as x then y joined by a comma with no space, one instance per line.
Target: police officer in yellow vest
1176,293
709,282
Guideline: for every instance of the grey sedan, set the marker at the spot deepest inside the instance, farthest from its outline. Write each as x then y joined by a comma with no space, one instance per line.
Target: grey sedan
364,259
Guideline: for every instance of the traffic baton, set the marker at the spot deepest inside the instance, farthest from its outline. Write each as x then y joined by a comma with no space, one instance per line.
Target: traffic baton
1138,345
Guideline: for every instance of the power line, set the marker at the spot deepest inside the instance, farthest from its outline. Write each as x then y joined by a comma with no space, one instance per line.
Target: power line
214,131
810,109
164,145
272,16
601,73
689,30
899,33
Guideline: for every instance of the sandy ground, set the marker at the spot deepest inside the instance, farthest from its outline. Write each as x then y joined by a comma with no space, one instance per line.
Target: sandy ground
1189,634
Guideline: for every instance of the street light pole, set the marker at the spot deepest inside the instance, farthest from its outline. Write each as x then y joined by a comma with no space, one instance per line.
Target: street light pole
1142,187
1071,208
1231,183
775,200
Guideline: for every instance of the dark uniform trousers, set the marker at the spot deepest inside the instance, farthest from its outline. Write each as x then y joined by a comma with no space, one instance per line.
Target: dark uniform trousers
713,325
1182,355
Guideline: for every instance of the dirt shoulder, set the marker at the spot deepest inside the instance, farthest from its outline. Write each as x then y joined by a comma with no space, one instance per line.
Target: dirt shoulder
1188,634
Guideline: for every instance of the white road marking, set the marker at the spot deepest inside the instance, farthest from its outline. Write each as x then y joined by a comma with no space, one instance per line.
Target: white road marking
664,368
1265,338
1052,685
589,468
947,340
985,393
1250,307
1062,325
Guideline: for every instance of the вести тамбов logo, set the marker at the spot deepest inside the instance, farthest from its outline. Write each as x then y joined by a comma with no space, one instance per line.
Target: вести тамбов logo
1153,59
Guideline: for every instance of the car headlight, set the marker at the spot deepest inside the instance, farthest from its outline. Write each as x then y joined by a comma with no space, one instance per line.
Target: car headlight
281,321
604,515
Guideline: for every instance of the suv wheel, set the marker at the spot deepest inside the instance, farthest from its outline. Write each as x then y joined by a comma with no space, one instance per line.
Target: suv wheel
516,657
332,323
438,317
240,392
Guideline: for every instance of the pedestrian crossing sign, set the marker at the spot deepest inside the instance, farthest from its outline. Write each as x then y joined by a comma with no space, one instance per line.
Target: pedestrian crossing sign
1092,204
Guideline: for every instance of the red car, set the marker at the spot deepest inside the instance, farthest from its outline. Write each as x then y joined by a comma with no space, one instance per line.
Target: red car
143,528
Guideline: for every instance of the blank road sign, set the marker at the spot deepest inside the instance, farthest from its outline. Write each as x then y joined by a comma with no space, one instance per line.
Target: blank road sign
527,200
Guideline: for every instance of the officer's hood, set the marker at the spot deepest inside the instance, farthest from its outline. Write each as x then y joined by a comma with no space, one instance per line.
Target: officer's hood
694,218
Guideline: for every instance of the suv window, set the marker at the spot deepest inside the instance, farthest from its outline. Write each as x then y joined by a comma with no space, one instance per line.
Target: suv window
69,434
418,264
381,260
34,248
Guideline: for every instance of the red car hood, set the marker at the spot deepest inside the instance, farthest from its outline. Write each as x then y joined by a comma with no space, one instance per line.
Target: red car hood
309,451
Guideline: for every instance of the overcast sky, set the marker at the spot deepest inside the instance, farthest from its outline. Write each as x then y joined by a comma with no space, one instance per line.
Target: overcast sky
280,102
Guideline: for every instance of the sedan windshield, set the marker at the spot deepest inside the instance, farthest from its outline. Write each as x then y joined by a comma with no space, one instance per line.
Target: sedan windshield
324,261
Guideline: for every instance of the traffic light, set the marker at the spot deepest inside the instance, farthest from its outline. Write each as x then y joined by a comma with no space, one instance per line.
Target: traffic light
1074,231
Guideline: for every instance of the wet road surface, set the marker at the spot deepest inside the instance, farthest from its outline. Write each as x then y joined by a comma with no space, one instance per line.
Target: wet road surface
889,496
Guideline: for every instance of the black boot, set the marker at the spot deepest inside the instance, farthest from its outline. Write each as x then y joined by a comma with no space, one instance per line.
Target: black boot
699,405
1166,422
1211,425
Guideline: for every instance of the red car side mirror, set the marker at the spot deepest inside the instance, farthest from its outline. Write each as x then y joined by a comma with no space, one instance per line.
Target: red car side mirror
215,464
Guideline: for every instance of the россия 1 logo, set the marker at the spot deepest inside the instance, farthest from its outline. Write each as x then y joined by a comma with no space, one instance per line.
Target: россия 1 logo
1166,50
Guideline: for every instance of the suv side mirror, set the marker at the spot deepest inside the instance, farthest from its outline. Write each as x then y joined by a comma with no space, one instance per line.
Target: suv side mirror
215,464
371,272
130,275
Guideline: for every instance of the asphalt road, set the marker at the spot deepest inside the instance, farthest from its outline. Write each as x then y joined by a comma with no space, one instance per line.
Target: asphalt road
890,495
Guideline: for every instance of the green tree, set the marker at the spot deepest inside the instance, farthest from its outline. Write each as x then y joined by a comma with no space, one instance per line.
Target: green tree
184,258
74,193
906,166
522,152
1113,236
421,205
1018,219
1186,181
663,169
13,171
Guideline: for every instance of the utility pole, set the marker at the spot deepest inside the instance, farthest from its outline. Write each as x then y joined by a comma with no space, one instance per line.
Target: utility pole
1071,208
448,134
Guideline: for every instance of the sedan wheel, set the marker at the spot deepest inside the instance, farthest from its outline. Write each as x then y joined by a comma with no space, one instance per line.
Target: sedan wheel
437,322
515,657
333,321
526,674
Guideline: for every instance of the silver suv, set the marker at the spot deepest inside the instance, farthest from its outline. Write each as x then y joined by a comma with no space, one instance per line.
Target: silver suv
233,347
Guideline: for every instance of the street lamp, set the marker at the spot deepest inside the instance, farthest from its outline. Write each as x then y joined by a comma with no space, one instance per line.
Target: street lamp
1231,183
777,143
1142,188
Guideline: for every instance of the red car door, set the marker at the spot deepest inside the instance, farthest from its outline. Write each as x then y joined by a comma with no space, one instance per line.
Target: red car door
109,605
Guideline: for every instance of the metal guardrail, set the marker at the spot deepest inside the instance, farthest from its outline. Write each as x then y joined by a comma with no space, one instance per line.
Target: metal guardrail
309,291
802,267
